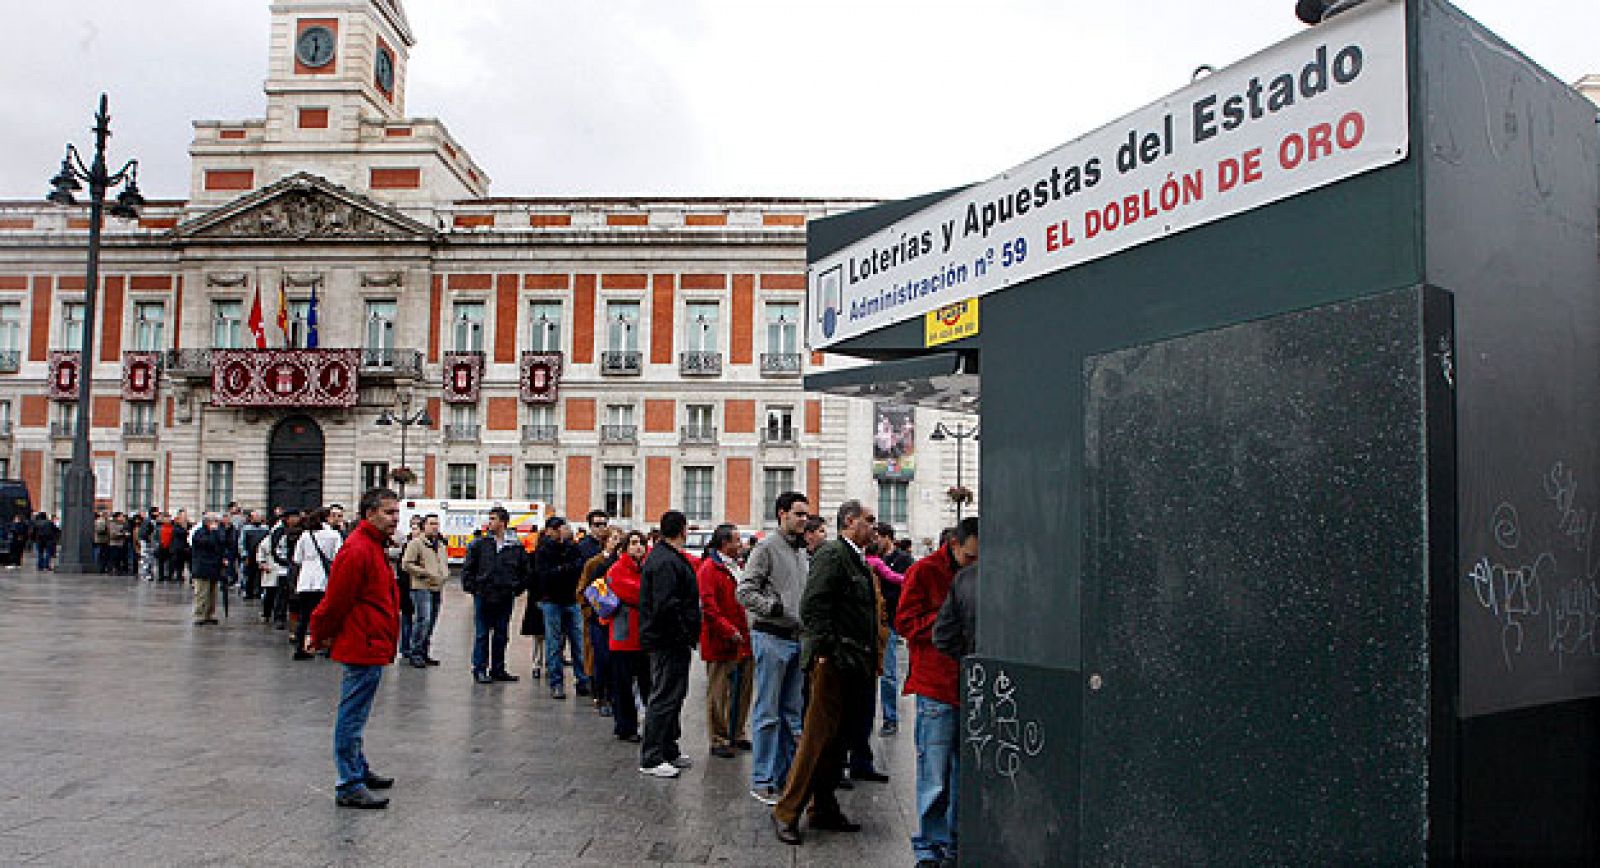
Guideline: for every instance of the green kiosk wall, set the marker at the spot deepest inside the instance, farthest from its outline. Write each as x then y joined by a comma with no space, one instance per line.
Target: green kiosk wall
1288,520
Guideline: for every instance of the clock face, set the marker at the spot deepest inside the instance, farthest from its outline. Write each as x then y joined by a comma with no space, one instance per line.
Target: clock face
315,46
385,69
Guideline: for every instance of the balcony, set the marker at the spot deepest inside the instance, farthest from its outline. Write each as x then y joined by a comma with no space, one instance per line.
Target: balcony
189,364
619,433
538,434
778,437
10,361
380,363
139,429
461,433
621,363
780,364
698,435
700,363
63,430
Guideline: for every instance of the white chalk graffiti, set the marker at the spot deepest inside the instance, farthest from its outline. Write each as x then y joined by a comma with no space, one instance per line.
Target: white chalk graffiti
994,719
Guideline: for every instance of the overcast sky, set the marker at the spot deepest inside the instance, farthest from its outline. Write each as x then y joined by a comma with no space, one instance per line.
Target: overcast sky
876,98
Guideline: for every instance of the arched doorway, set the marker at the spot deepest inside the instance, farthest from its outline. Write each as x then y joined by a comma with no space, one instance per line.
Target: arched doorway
294,463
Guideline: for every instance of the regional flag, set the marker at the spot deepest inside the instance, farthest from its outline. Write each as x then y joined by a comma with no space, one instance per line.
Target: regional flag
311,320
257,324
283,312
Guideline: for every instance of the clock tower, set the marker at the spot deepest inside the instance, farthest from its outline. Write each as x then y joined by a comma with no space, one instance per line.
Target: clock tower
336,99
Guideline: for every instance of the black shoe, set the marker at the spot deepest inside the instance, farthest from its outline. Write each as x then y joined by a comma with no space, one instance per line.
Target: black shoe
419,663
360,797
633,737
583,689
834,823
872,775
723,751
890,727
504,676
846,784
378,782
213,621
303,655
536,673
482,678
430,661
788,833
743,744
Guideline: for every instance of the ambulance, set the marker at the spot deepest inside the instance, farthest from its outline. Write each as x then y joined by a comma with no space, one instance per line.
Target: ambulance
460,520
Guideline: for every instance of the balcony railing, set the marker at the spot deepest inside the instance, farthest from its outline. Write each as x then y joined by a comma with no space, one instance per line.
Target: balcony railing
391,363
139,429
195,364
621,362
700,363
619,433
10,361
698,435
538,433
461,433
780,364
778,436
63,430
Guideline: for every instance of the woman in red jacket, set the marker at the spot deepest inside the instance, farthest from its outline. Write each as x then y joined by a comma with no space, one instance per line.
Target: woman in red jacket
724,644
628,661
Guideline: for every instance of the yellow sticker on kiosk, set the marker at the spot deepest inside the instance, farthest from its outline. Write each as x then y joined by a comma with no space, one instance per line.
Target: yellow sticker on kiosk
951,322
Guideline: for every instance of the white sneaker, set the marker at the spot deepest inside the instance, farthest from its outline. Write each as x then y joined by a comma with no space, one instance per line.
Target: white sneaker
665,770
765,795
682,762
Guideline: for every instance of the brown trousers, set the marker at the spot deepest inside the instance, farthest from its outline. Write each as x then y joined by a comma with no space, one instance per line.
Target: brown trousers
205,599
819,758
728,696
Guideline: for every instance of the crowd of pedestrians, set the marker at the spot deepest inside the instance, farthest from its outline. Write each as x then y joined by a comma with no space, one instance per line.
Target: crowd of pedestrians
798,633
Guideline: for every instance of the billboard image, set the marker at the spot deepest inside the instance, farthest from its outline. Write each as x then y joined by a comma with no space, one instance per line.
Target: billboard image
894,441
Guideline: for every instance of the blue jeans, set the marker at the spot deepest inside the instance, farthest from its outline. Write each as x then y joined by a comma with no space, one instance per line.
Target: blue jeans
775,711
937,770
600,643
356,693
47,553
424,616
492,620
889,681
563,621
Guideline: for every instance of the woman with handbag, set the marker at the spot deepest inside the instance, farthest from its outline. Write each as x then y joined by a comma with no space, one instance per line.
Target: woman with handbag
629,663
313,556
596,645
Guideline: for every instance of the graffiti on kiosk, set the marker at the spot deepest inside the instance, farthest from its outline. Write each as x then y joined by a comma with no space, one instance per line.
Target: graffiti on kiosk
1001,740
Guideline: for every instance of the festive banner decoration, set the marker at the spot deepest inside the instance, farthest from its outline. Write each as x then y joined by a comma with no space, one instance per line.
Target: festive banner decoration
541,377
139,375
284,378
894,441
63,375
463,373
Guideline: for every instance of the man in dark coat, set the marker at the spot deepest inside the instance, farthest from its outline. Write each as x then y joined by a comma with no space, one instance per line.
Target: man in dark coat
494,573
840,649
557,566
210,557
45,536
669,629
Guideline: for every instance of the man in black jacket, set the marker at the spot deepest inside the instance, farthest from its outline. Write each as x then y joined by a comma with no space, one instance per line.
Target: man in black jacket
495,572
669,628
557,564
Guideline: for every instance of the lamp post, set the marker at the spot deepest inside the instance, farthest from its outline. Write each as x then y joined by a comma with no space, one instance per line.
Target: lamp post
405,420
77,518
961,434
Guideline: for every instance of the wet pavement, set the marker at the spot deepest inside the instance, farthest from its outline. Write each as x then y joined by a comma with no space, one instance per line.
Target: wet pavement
130,736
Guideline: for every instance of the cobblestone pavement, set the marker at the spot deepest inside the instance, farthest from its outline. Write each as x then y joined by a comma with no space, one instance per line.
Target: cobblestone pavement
129,736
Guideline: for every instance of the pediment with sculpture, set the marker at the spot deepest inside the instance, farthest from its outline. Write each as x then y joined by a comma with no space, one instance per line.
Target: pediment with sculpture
305,207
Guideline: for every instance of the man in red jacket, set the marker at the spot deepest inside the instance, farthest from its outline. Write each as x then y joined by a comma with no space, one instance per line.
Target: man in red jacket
933,678
360,617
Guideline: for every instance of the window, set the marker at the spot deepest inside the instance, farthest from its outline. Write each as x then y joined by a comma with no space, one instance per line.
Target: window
219,485
462,480
780,425
539,482
619,490
697,493
467,320
300,323
782,327
699,421
380,325
61,487
700,323
141,485
774,481
374,474
543,415
464,415
622,326
544,326
10,326
619,414
5,468
227,325
142,416
5,415
149,325
892,501
64,418
71,325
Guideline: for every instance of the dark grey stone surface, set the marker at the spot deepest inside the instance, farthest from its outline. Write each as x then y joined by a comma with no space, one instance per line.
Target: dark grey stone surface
133,737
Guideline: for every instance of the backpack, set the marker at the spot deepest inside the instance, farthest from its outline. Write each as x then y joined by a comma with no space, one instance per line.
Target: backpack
602,598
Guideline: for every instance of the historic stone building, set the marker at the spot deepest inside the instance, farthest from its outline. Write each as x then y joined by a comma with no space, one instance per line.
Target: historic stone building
631,354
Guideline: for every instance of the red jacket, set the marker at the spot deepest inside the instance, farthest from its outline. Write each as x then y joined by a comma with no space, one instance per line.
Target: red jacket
933,673
721,616
624,578
361,611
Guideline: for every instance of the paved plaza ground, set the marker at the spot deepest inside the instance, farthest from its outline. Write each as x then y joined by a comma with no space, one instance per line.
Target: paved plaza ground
129,736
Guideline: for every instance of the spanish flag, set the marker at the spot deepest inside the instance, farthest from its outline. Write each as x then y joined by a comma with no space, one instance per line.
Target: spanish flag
283,312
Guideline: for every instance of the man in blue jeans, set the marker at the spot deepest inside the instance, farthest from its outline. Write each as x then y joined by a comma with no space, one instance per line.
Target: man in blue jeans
494,573
774,578
557,565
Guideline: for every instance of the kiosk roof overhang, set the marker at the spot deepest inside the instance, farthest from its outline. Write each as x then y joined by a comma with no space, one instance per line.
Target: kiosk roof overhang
944,381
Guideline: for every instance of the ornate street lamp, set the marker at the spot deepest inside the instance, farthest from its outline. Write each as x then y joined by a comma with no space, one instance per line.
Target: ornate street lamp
961,434
77,519
405,420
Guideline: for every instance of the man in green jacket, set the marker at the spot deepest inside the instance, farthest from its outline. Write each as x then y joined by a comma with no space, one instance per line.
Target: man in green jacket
840,649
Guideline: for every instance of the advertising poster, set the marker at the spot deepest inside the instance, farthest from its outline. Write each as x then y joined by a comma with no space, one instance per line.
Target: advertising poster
894,441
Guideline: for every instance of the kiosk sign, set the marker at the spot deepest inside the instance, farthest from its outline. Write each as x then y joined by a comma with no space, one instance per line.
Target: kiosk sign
1319,107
